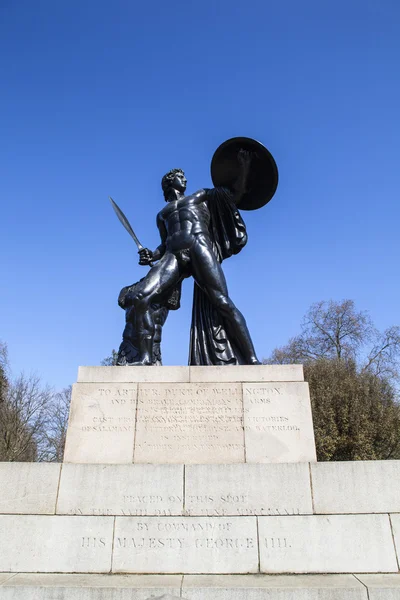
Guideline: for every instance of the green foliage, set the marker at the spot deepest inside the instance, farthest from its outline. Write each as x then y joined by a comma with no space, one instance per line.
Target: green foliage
355,414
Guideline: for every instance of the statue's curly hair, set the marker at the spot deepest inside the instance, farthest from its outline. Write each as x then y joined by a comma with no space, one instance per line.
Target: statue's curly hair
168,178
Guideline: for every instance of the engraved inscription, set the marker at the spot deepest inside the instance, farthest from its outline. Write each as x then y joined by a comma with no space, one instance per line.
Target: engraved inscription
267,396
276,543
107,420
142,506
190,421
278,422
199,545
102,421
92,542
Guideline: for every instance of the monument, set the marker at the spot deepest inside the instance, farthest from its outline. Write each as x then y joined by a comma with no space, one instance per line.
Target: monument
198,231
197,482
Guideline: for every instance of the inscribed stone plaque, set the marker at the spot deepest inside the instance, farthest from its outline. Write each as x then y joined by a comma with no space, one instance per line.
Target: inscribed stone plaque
248,489
326,544
278,422
53,544
101,427
132,490
189,423
28,488
185,545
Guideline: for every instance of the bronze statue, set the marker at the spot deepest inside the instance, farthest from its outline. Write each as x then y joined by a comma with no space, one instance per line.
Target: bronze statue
198,231
128,353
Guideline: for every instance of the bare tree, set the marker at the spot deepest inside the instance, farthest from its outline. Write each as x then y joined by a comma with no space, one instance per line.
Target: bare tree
33,418
337,330
383,358
56,429
4,367
24,418
110,361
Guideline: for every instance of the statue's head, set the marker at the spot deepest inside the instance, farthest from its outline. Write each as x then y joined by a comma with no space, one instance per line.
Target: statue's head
173,180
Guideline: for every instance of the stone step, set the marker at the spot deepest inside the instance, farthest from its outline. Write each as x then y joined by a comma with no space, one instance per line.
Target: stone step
24,586
200,545
200,490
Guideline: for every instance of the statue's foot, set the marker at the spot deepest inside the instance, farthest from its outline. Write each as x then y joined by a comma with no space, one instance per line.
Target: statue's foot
254,361
141,363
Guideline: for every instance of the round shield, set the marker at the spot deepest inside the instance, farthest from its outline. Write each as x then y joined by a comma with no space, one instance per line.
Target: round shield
262,179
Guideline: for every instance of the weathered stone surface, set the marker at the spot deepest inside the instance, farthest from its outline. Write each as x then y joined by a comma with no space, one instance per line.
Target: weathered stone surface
132,374
356,486
28,488
35,586
278,422
382,587
52,544
247,373
189,423
101,426
185,545
273,587
395,523
248,489
326,544
5,577
134,490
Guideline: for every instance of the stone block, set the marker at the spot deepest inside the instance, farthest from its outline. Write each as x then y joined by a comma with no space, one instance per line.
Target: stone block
53,544
326,544
382,587
189,423
356,487
35,586
133,374
4,577
28,488
185,545
278,422
101,427
273,587
248,489
395,523
134,490
247,373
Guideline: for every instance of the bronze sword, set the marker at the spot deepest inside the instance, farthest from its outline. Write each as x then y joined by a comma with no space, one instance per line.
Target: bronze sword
127,225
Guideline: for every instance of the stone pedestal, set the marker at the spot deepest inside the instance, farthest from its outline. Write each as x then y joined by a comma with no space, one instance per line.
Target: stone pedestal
197,483
258,414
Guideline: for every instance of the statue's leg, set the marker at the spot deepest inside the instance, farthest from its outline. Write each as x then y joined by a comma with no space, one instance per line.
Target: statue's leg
210,277
158,280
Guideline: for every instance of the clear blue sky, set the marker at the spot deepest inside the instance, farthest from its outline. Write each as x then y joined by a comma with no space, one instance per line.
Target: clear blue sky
102,98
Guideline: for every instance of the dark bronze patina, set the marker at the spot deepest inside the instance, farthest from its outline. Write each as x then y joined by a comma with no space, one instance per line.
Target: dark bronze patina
198,231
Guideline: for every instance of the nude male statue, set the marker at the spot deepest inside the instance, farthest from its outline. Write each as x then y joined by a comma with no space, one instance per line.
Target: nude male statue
186,249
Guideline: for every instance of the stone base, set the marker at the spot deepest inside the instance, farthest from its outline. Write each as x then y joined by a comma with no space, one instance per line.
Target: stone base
201,519
233,523
201,587
192,415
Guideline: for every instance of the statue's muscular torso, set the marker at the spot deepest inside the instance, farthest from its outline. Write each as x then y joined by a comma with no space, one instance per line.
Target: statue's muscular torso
181,221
